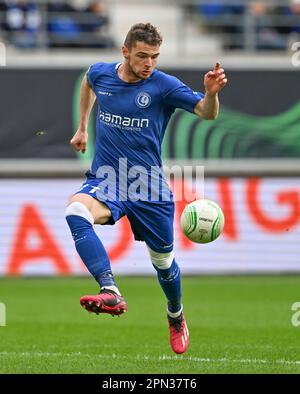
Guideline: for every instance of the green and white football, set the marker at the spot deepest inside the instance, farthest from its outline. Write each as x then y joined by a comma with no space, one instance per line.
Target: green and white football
202,221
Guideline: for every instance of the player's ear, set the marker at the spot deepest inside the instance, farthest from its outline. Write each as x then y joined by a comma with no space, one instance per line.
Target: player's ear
125,51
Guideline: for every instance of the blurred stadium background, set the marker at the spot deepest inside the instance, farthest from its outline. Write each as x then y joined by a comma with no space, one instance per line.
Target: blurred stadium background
251,155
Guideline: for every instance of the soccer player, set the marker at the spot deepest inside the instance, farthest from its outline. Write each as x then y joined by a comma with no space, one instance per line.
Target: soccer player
135,102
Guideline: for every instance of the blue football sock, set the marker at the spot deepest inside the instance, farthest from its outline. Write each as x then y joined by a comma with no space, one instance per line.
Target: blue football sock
170,282
91,250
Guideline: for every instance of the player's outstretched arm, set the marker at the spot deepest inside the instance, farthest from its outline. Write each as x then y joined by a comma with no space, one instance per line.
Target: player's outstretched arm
214,81
87,99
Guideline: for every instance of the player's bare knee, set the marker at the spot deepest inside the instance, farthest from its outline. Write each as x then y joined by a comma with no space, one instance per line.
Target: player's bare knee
82,198
102,219
98,210
101,212
161,260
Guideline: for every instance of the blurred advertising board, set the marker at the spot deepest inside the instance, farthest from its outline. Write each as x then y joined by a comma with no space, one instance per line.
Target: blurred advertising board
259,118
261,234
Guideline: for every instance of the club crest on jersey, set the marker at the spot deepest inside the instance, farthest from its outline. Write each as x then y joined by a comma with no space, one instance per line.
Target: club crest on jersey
143,100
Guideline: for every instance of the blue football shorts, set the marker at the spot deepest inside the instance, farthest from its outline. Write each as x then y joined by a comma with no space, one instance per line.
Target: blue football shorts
151,222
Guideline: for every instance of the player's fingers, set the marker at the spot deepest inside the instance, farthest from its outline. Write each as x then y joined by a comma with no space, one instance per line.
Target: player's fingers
75,145
223,82
221,77
217,66
218,73
210,74
83,147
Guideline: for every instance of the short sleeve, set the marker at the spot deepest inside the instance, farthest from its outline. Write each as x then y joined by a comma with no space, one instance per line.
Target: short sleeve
92,73
179,95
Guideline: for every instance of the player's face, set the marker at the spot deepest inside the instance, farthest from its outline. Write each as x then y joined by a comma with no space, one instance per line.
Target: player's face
141,59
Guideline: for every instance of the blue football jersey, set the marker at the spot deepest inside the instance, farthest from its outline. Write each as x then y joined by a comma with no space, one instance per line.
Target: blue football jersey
132,117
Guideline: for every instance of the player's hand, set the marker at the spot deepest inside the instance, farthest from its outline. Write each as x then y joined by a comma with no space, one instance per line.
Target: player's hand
215,80
79,140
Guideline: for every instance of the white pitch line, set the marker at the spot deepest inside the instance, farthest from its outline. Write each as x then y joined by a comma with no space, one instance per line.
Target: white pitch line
164,357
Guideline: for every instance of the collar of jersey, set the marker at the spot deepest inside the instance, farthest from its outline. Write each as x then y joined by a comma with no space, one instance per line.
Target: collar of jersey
141,82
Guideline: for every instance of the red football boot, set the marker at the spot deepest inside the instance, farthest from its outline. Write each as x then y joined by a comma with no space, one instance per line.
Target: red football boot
107,301
179,334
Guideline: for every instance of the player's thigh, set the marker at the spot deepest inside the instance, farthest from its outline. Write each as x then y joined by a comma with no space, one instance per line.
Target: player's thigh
101,213
153,223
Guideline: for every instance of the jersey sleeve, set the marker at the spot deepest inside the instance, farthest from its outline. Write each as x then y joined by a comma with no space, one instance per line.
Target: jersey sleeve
92,73
178,95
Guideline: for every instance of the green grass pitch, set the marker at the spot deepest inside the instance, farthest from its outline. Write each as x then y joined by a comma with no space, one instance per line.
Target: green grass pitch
237,325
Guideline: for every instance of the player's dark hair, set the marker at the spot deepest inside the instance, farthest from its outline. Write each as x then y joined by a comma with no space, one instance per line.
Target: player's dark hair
144,32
